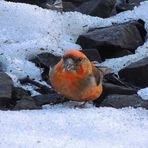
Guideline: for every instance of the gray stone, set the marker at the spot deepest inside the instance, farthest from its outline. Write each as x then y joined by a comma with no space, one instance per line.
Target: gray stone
100,8
26,103
6,85
109,40
120,101
136,73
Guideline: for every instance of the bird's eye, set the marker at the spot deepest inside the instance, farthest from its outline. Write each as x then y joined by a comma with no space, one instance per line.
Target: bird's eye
79,60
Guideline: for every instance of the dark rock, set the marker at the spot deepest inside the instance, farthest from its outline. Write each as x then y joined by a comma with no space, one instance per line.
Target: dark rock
26,103
136,73
100,8
23,99
112,85
49,99
109,40
68,6
6,85
120,101
45,75
76,1
121,53
124,7
109,88
1,69
114,79
129,5
92,54
46,60
19,93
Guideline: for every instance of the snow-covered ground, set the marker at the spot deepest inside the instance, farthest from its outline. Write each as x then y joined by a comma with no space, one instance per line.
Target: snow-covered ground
64,127
24,29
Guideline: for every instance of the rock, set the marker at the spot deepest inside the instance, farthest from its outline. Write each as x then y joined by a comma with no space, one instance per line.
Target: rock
46,60
68,6
26,103
92,54
100,8
6,85
109,40
128,6
121,53
112,85
120,101
136,73
114,79
45,75
49,99
1,69
23,99
109,88
19,93
76,1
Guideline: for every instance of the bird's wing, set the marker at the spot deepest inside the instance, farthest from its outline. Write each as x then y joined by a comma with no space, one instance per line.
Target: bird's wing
99,73
98,76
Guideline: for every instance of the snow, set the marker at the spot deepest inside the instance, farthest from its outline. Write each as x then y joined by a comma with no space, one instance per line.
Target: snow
143,93
64,127
24,30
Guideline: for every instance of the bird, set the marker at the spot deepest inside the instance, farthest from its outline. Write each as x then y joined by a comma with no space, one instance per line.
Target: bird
76,78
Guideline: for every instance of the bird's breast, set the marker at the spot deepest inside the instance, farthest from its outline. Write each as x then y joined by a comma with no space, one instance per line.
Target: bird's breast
75,87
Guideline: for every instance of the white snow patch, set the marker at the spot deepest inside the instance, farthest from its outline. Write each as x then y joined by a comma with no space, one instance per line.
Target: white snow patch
64,127
143,93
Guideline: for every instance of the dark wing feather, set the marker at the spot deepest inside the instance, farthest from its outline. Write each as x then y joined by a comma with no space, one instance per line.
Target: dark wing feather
98,76
99,73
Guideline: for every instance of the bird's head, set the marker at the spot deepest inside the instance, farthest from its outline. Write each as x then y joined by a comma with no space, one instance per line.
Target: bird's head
75,61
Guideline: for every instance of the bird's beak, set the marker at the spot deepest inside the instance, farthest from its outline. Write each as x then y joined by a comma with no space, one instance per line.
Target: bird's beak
68,64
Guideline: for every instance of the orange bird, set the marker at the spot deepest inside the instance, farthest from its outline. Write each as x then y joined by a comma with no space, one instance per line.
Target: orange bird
76,78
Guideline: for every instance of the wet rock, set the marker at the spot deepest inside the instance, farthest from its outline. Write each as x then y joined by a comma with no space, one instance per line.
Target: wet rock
100,8
120,101
136,73
109,40
49,99
92,54
6,85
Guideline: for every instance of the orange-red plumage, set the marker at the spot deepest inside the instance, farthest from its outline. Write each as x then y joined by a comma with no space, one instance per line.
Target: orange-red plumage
76,78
